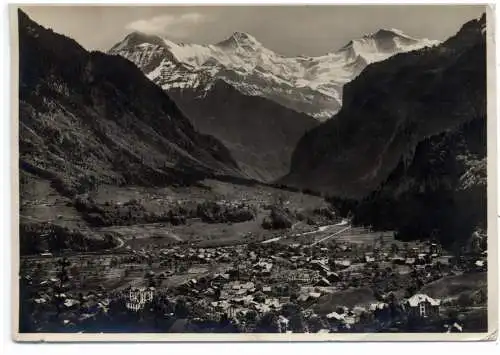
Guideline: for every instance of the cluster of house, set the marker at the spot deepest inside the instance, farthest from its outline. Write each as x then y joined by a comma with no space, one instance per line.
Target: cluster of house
261,278
260,282
419,306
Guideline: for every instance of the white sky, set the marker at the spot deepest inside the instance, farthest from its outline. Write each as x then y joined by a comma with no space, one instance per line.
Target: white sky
289,30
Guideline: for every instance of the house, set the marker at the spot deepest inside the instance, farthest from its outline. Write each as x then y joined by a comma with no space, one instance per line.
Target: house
334,316
377,306
323,282
284,300
314,295
413,252
398,260
332,277
140,295
220,279
303,298
283,324
248,286
435,249
454,328
343,263
422,306
410,261
266,289
319,265
369,259
480,265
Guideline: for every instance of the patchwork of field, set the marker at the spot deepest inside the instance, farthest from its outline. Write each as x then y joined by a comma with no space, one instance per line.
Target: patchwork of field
41,203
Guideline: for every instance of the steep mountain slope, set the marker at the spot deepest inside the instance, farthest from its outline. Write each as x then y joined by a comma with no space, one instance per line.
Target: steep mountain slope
260,134
87,118
312,85
441,193
391,107
407,152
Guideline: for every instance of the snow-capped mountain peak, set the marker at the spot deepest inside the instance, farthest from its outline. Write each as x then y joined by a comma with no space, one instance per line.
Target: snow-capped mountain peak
136,38
240,39
381,44
388,32
312,85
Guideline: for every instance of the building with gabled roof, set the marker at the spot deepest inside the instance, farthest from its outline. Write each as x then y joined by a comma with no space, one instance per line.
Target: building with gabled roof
422,306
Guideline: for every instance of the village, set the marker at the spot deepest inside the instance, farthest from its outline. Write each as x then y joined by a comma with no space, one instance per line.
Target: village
333,284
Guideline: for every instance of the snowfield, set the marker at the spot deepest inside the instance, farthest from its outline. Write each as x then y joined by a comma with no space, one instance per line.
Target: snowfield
312,85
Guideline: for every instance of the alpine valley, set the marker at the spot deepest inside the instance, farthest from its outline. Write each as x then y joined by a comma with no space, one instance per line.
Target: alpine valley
225,188
255,101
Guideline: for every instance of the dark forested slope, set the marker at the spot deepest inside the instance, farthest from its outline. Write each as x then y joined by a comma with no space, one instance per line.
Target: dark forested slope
408,150
389,109
88,117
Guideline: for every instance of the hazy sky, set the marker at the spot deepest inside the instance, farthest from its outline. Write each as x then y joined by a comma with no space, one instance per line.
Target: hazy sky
289,30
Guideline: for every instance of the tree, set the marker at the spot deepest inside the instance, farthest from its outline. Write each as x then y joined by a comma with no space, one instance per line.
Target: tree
60,285
267,324
181,309
464,301
251,317
315,324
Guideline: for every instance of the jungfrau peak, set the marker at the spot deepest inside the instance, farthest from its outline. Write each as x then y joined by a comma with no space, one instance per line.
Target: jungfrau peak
312,85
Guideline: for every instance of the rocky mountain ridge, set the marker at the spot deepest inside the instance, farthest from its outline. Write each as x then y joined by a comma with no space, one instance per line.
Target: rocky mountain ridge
312,85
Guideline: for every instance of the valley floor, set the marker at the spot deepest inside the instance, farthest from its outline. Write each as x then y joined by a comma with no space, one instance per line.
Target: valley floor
318,273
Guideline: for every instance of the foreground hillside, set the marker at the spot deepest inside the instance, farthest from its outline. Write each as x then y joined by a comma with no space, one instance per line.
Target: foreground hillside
410,139
91,118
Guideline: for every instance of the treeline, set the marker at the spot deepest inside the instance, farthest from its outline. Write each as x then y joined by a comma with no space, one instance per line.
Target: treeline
35,238
281,217
212,212
134,212
305,191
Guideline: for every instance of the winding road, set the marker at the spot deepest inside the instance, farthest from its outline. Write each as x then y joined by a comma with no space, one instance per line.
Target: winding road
319,230
331,235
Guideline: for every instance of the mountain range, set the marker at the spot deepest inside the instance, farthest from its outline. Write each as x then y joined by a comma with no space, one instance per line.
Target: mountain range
312,85
256,102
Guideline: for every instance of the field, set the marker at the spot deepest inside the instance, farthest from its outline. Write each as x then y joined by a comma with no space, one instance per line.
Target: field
451,287
40,203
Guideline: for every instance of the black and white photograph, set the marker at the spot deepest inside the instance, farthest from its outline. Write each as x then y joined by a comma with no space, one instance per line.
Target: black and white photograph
287,171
